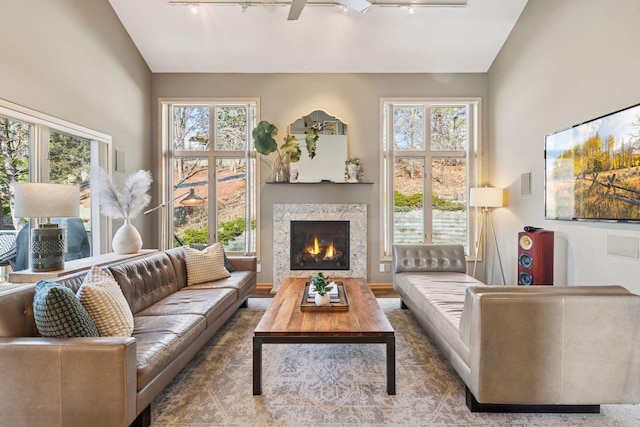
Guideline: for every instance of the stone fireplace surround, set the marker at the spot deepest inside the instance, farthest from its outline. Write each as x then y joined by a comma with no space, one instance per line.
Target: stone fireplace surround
283,214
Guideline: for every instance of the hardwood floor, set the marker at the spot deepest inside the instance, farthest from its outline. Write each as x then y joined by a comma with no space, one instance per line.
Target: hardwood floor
380,290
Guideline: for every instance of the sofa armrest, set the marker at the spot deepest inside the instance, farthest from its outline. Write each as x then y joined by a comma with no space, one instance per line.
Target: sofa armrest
243,263
564,347
68,381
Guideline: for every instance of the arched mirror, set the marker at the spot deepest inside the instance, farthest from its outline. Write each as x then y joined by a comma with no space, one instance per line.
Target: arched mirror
330,147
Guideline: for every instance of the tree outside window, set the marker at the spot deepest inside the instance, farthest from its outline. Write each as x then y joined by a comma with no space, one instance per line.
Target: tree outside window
211,154
426,172
14,166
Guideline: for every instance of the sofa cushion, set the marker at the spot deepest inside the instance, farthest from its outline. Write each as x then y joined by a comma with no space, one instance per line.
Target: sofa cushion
147,280
241,281
209,303
160,340
59,313
205,265
105,303
428,258
440,297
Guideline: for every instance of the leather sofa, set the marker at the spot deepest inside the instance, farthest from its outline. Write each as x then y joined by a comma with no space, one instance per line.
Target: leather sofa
111,381
524,349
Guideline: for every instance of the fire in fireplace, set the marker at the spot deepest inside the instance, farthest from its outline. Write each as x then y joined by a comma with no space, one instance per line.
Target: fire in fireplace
319,245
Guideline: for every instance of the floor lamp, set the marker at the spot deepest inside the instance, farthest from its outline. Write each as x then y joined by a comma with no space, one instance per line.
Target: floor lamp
485,198
188,199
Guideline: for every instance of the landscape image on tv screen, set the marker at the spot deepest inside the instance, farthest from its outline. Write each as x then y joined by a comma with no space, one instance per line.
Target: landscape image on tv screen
592,170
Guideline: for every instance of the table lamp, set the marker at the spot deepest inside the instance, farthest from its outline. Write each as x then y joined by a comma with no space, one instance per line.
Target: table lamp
44,200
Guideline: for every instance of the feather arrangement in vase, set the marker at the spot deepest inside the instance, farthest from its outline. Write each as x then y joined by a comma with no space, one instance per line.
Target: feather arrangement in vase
126,203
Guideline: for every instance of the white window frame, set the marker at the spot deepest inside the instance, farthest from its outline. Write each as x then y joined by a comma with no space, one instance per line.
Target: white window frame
166,184
473,158
42,124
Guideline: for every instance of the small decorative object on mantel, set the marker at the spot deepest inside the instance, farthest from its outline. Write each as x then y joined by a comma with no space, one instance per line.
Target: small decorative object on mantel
289,151
127,204
354,171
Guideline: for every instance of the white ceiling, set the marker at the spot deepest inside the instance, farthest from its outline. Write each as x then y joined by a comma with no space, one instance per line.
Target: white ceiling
218,39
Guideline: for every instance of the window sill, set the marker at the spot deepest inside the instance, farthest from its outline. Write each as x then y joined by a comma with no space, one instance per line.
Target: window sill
320,182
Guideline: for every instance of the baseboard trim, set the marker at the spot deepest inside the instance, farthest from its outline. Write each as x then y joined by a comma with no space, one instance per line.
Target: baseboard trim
263,290
475,406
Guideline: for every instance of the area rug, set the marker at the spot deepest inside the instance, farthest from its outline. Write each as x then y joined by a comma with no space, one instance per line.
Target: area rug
336,385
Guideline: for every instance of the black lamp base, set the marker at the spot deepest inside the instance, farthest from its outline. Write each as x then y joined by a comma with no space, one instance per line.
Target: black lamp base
47,248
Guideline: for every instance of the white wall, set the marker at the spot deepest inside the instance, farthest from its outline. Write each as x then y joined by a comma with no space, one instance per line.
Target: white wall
73,60
565,62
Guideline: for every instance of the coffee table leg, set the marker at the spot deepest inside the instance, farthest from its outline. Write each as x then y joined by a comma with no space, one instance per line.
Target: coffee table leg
257,366
391,365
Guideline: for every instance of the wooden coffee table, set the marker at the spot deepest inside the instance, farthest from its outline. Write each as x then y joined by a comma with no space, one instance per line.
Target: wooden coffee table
285,323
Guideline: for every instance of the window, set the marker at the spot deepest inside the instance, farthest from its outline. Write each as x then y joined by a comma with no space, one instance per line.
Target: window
426,172
40,148
208,149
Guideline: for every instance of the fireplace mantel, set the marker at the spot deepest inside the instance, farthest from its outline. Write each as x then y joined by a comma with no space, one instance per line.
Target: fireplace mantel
283,214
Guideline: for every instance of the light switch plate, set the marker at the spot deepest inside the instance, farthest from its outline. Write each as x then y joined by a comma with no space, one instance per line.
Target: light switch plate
120,161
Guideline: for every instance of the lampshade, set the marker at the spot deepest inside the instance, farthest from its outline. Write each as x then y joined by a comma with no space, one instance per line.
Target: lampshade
192,199
44,200
486,197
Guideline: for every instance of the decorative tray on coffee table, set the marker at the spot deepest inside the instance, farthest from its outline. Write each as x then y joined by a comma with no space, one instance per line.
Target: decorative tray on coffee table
339,302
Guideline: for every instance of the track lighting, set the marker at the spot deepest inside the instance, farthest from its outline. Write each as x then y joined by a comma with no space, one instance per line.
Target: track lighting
297,5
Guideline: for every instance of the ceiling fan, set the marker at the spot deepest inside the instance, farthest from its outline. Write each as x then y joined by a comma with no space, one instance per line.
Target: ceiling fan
297,5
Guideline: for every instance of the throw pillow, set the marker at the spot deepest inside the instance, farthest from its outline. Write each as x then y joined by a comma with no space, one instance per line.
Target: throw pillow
227,263
59,313
206,265
106,304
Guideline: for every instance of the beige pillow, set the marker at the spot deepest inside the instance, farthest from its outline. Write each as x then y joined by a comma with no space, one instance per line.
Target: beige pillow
206,265
104,301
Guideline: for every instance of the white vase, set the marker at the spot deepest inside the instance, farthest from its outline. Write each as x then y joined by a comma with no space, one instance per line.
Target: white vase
321,299
127,239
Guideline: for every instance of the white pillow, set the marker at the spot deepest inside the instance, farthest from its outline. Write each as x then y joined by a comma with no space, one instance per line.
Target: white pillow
104,301
206,265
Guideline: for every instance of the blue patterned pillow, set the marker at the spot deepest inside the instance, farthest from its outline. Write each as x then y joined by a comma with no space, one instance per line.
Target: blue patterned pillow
59,313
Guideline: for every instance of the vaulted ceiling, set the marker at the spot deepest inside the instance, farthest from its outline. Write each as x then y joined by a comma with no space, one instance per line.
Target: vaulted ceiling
390,37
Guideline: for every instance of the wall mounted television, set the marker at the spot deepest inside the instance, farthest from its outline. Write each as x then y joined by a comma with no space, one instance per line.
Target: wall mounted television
592,170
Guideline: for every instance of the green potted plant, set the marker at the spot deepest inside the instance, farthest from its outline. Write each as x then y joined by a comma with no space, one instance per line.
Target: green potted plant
321,285
265,143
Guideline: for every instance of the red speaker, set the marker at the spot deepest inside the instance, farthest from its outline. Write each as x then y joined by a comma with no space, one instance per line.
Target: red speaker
535,258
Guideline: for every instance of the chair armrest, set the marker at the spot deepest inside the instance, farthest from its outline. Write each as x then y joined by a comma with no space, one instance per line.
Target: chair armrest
243,263
68,381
